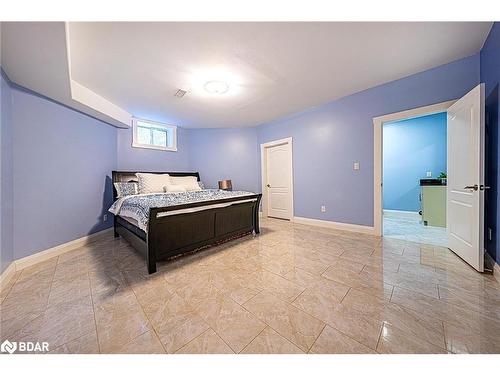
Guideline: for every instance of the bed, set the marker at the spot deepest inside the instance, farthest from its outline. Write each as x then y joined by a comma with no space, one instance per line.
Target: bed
163,226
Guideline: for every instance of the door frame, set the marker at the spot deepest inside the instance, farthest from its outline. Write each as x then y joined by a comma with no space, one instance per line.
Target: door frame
378,123
263,172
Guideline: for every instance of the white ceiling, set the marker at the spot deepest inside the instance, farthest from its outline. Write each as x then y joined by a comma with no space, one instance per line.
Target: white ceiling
273,69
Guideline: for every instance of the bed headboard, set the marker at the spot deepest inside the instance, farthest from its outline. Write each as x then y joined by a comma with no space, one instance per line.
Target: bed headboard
126,176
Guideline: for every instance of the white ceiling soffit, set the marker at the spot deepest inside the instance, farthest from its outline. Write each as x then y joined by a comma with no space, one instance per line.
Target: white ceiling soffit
272,69
36,55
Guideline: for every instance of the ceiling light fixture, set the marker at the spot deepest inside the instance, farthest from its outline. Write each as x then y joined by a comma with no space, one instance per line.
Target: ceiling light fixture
216,87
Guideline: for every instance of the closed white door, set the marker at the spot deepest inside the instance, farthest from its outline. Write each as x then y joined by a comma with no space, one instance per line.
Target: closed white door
279,181
466,177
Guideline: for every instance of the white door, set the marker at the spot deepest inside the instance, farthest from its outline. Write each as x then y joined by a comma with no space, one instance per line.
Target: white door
466,177
279,181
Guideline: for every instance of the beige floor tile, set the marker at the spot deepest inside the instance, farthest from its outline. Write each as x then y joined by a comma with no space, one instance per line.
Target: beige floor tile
173,318
69,288
207,343
240,287
294,277
343,270
303,278
487,302
393,340
119,320
381,263
147,343
60,324
462,340
400,280
362,327
279,286
9,326
86,344
446,312
406,320
321,299
40,269
106,284
7,286
271,342
332,341
235,325
368,282
289,321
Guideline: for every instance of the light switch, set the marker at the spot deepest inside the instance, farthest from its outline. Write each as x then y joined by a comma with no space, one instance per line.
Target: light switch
356,166
429,174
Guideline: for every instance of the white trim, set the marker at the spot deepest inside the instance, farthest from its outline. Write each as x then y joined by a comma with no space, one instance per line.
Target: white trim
263,173
58,250
377,152
167,127
490,263
42,256
335,225
7,274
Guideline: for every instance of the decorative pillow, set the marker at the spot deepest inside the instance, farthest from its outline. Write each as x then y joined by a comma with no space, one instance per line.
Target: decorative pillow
201,185
192,186
126,188
152,183
174,188
189,182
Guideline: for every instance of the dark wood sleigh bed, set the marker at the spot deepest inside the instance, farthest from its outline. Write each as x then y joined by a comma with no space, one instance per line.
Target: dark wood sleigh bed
173,235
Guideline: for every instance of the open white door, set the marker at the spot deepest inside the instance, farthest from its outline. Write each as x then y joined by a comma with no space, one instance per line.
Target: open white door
466,177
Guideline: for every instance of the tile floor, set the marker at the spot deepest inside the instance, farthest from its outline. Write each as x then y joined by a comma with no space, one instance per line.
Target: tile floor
407,227
293,289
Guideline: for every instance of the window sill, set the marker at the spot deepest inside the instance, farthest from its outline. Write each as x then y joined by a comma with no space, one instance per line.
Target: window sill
151,147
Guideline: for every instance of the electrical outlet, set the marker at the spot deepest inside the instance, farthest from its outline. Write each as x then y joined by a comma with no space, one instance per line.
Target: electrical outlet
356,166
105,217
323,208
429,174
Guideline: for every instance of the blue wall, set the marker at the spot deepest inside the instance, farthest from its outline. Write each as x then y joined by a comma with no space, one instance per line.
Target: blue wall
490,75
411,148
327,140
6,177
226,154
62,162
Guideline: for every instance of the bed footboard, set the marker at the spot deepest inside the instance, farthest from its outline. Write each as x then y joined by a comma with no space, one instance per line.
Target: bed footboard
172,235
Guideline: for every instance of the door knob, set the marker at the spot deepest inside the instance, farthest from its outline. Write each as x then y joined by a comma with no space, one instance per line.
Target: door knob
472,187
268,185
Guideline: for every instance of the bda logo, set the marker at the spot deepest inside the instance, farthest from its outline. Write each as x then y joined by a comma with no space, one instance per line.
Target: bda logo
8,347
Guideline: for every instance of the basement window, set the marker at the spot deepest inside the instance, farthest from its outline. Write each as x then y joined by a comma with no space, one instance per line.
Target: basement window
154,135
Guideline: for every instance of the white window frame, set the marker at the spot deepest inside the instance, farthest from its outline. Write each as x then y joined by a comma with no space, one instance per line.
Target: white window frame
167,127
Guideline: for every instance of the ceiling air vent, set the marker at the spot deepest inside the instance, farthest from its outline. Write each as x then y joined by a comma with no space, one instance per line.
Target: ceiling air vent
180,93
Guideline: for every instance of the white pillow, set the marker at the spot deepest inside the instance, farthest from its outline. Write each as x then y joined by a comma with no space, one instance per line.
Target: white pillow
174,188
152,183
190,183
192,186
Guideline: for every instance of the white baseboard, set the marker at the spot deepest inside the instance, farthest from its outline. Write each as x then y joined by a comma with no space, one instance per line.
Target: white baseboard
335,225
493,265
399,213
42,256
7,274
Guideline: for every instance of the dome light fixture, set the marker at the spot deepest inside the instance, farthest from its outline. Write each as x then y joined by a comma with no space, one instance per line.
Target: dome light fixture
216,87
